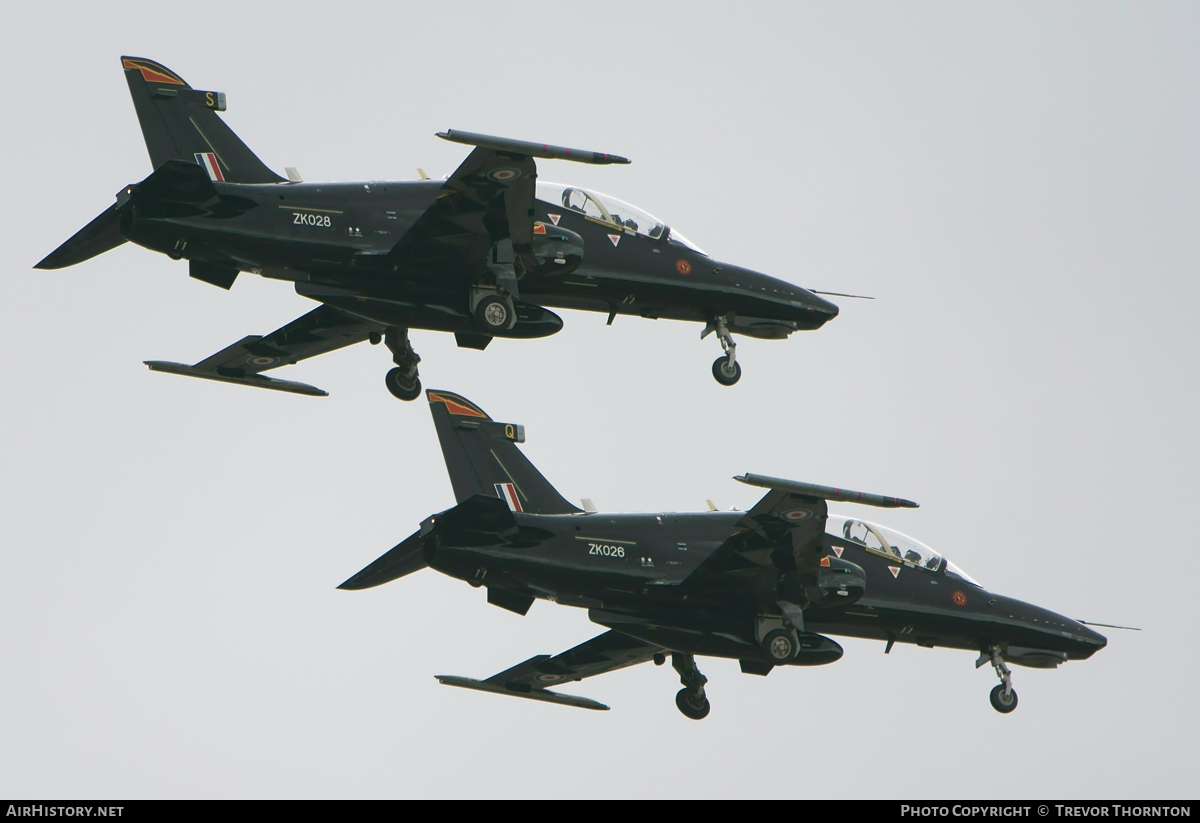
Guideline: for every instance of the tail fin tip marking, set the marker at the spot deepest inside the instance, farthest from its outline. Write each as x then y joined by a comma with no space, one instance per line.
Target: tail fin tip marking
456,405
152,72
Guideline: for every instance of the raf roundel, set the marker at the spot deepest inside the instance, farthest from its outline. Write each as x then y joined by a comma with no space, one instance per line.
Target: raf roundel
959,599
263,361
504,175
682,266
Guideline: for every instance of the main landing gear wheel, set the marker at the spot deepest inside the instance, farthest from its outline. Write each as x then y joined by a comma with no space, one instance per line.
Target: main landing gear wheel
780,647
1004,701
493,313
691,699
726,375
694,706
403,381
401,388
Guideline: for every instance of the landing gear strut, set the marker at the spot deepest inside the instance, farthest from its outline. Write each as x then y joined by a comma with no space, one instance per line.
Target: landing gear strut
691,699
403,381
725,368
1004,696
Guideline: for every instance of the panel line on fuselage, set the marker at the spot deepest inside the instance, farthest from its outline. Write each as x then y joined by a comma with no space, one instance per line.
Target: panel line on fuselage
309,208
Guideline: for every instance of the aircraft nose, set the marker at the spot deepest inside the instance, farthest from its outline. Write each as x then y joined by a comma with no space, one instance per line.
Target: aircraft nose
818,303
1087,639
1088,635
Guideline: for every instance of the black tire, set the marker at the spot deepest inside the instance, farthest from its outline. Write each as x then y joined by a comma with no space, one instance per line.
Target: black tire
493,313
400,388
1000,702
780,647
723,374
692,708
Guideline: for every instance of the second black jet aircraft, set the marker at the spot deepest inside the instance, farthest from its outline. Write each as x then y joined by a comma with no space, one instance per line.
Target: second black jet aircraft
480,254
763,587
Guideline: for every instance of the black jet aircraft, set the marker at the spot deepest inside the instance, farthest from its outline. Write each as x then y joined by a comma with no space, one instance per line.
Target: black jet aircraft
480,253
763,587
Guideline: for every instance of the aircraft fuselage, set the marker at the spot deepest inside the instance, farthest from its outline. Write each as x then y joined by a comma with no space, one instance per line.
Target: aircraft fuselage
339,237
633,570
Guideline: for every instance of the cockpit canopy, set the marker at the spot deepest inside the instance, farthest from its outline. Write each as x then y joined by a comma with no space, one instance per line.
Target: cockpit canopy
611,211
892,544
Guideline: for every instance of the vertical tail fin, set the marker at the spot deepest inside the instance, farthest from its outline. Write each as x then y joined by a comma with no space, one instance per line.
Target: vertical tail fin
482,458
181,123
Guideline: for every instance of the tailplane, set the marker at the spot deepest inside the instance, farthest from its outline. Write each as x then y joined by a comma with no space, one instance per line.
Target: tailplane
482,458
181,123
97,237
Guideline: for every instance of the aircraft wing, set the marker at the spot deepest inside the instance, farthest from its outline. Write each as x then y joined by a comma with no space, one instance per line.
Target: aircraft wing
604,653
785,528
322,330
487,199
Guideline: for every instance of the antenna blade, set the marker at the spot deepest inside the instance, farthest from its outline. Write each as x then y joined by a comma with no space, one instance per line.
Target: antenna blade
1108,625
840,294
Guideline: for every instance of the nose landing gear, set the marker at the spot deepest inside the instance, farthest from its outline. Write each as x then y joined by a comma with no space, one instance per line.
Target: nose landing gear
725,368
1004,696
403,381
691,699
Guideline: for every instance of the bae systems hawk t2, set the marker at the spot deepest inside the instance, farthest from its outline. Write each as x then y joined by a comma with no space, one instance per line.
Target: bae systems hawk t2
763,587
480,253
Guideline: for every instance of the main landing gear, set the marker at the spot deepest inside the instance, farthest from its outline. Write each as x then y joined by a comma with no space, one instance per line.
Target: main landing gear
725,368
691,699
1004,696
493,309
403,382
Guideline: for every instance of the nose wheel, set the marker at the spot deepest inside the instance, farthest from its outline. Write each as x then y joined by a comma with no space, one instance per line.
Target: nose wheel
1004,696
724,373
725,368
691,699
404,381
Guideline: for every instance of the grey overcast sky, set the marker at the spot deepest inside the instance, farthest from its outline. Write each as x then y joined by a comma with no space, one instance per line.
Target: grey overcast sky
1016,184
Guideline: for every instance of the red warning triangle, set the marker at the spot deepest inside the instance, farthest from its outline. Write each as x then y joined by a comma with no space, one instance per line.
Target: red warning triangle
838,550
554,218
616,238
895,570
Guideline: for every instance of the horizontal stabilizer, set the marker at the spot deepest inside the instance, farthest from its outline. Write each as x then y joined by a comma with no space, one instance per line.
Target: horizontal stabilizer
527,692
243,379
406,558
486,141
97,237
825,492
177,181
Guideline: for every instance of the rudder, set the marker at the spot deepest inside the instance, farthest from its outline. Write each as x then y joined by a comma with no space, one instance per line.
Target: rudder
482,458
180,123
